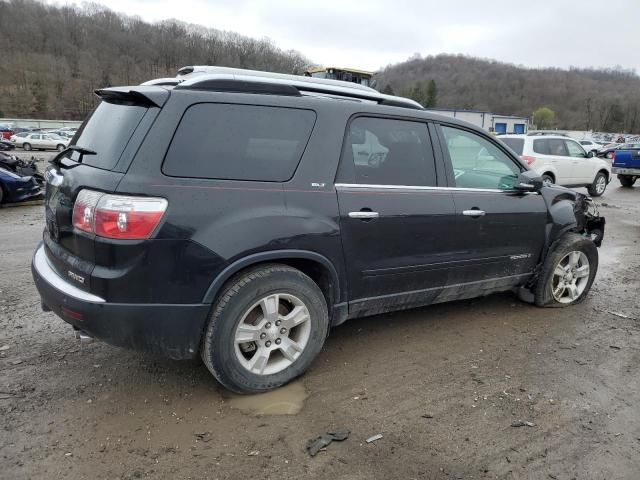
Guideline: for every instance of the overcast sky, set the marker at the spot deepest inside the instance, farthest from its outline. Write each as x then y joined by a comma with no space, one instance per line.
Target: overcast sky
371,34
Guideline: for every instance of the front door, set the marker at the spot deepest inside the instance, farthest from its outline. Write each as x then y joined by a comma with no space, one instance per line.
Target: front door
396,223
500,233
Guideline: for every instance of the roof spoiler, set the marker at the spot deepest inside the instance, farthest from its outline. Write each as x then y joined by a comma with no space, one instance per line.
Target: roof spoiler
146,96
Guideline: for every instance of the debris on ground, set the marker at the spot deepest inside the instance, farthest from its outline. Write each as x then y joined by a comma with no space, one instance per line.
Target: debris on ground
374,438
203,436
320,443
614,347
4,347
622,315
520,423
427,415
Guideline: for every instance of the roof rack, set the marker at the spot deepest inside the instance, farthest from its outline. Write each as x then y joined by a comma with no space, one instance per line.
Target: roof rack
203,77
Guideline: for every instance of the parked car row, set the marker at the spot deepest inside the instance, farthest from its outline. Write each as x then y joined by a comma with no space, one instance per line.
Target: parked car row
35,138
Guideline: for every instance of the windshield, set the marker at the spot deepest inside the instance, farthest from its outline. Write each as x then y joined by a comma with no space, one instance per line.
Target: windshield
107,132
515,144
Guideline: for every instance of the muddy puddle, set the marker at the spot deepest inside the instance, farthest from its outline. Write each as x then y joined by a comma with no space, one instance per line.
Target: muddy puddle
287,400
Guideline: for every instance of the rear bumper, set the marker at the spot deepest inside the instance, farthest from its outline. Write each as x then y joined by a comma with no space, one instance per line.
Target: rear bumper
625,171
173,330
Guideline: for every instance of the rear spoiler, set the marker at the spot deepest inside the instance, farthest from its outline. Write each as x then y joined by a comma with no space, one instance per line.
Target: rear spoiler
145,96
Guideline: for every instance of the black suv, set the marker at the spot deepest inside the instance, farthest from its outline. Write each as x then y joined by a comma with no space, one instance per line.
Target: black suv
240,215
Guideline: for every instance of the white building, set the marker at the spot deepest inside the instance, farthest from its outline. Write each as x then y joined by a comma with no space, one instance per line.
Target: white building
491,122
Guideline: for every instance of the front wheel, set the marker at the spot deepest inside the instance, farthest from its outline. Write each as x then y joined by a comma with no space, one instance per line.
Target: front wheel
26,146
266,328
60,148
627,181
568,272
599,185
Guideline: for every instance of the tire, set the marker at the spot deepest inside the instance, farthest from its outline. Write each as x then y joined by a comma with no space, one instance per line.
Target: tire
1,195
241,366
26,146
60,147
548,291
627,181
599,185
547,178
609,155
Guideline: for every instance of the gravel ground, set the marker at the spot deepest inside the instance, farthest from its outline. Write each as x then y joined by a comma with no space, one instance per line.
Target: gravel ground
443,385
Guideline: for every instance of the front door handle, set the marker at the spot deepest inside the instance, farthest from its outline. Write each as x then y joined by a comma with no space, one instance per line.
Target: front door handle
474,213
363,214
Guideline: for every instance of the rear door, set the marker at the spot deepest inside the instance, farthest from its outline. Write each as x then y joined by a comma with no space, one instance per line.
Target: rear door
499,232
396,222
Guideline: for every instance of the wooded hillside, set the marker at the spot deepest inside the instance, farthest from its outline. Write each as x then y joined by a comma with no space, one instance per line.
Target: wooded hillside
583,99
52,58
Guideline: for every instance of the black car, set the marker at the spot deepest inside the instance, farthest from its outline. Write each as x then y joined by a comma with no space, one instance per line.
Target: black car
240,215
610,151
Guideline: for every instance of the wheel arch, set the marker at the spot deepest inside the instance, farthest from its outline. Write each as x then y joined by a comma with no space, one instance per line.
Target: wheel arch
606,173
318,267
551,173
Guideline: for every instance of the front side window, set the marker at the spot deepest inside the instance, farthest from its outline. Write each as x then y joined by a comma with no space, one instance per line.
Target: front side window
477,162
239,142
574,149
383,151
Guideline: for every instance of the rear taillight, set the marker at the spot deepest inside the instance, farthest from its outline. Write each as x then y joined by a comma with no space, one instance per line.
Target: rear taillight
528,159
117,216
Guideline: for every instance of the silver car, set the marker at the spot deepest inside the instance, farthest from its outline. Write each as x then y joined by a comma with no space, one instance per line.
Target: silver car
42,141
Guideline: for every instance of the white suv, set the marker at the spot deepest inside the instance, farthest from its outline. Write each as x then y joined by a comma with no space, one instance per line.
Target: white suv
561,160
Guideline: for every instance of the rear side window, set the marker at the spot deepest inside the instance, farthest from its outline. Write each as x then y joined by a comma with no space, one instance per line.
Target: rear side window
383,151
541,146
515,144
107,132
239,142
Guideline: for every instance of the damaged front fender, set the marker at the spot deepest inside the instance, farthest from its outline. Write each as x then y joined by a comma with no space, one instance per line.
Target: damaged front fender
570,211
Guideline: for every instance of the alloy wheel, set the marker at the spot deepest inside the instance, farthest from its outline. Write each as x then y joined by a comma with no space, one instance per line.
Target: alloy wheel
601,184
272,334
570,277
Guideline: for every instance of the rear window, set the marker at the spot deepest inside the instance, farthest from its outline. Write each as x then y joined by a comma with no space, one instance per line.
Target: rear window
107,132
239,142
515,144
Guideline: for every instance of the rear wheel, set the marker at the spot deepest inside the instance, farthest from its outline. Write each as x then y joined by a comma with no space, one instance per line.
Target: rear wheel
609,155
599,185
265,329
60,147
568,272
627,180
547,179
26,146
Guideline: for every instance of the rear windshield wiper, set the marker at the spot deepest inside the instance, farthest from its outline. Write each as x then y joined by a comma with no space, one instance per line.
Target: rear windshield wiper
57,160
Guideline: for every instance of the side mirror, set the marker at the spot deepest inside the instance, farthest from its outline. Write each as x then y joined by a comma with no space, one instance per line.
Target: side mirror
529,181
591,154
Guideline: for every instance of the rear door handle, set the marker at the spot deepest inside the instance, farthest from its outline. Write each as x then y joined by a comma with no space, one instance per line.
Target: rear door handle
364,214
474,213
